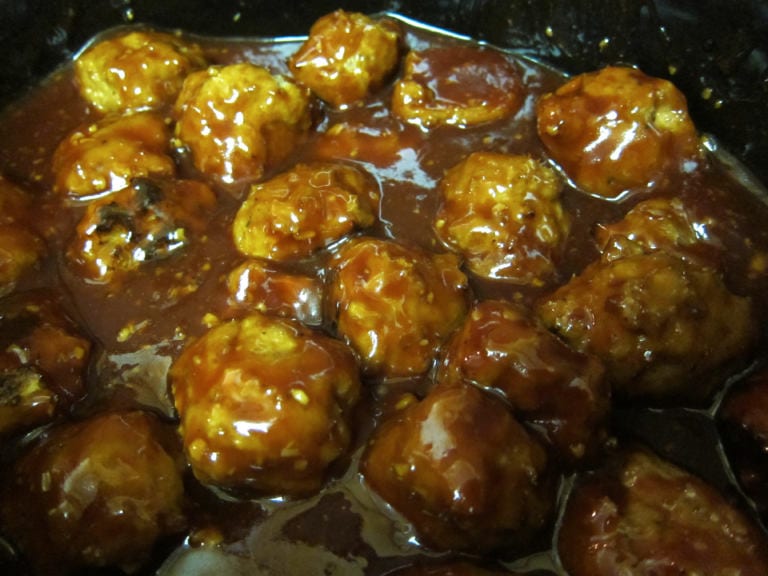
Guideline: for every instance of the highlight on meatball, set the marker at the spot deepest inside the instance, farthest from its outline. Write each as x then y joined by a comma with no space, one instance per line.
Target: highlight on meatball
20,247
101,492
640,514
617,131
43,360
395,304
145,222
462,471
135,70
346,57
265,405
503,214
240,120
305,209
457,86
668,331
105,156
554,389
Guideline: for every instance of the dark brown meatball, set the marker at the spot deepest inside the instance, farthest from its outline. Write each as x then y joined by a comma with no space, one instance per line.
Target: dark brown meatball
503,214
462,470
304,209
617,130
642,515
43,360
667,330
347,56
20,247
457,86
548,385
264,405
395,305
100,492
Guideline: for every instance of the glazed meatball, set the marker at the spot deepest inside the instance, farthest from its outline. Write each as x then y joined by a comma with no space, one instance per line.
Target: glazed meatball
346,57
643,515
667,330
503,214
20,247
396,305
136,70
617,130
457,86
255,285
548,385
145,222
264,405
462,470
106,156
239,120
96,493
43,360
307,208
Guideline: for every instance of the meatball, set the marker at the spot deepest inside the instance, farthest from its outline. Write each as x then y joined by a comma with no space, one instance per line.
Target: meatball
20,247
307,208
144,222
617,131
255,285
264,405
346,57
240,120
100,492
43,360
457,86
395,305
548,385
668,331
106,156
503,214
643,515
135,70
462,470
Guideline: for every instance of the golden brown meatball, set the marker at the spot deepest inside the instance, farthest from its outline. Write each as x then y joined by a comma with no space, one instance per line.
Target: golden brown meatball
617,130
239,120
643,515
396,305
43,360
264,405
503,214
347,56
100,492
106,156
135,70
462,470
145,222
457,86
304,209
548,385
20,247
665,329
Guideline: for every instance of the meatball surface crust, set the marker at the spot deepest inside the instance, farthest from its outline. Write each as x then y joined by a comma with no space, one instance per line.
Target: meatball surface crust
20,247
304,209
665,329
457,86
503,214
239,120
135,71
462,470
99,492
145,222
347,56
617,130
105,156
395,305
642,515
547,384
264,405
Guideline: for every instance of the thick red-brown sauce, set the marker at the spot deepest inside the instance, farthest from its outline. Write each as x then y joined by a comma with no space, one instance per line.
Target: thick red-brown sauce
141,325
